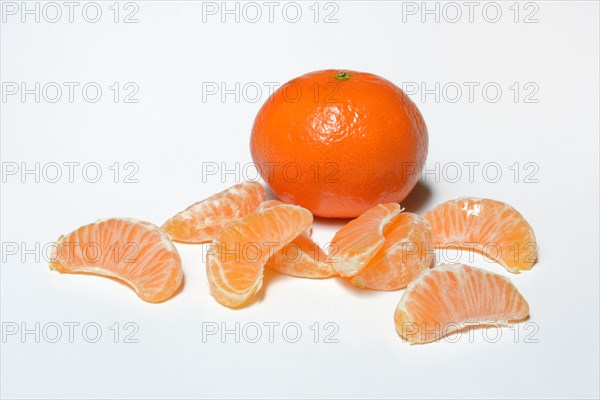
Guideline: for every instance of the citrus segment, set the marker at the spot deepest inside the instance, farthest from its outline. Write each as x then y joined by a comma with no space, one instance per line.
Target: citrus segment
406,253
448,298
135,252
239,251
357,242
490,227
302,257
202,220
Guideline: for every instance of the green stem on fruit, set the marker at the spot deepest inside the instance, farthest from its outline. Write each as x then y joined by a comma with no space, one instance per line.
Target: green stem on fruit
342,76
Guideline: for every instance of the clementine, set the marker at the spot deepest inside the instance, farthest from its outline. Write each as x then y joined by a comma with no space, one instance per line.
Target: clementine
339,142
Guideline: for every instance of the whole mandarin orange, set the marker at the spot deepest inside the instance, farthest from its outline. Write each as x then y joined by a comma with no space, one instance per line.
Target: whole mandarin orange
339,142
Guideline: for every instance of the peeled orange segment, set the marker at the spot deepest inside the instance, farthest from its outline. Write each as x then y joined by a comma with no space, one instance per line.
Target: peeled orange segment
239,251
202,220
302,257
357,242
406,253
449,298
489,227
136,252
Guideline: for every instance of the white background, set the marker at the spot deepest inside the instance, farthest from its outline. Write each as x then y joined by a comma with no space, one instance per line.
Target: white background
171,132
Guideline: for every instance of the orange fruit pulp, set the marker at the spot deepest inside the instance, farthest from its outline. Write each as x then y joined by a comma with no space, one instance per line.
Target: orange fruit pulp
202,220
447,298
302,257
239,251
490,227
382,249
135,252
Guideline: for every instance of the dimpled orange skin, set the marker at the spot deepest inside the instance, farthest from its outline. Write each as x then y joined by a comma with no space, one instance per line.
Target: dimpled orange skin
339,142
